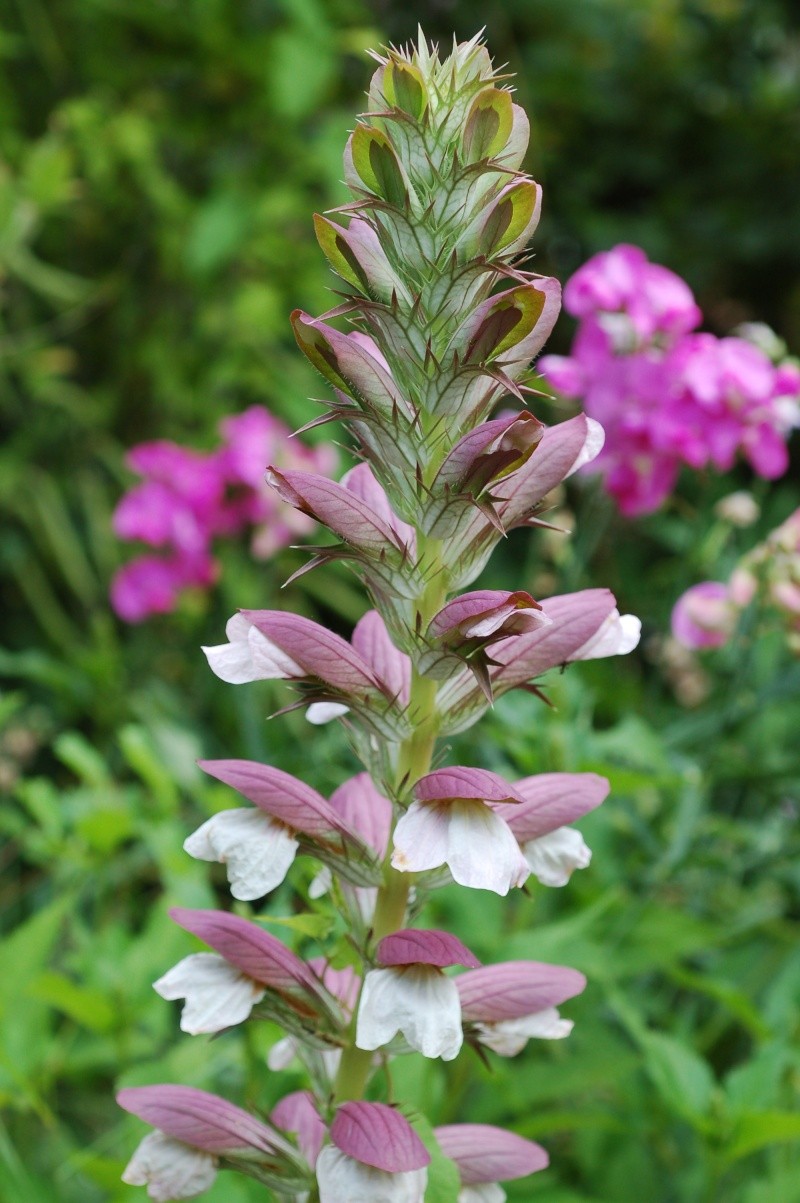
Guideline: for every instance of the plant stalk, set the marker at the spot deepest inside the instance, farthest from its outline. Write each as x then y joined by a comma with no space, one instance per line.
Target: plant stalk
413,761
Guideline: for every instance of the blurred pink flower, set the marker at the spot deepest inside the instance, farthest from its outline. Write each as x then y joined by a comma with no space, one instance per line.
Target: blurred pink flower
152,584
623,279
252,441
704,616
188,498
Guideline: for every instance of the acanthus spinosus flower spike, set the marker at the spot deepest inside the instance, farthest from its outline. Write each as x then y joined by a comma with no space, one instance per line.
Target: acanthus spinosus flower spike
443,321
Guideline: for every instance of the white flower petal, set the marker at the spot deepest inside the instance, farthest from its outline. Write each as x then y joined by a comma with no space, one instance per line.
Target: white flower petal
321,883
553,857
595,438
257,850
416,1000
233,661
420,838
483,1192
270,661
475,843
287,1050
169,1168
341,1179
365,899
282,1054
217,995
249,656
319,713
481,849
330,1058
508,1037
484,627
617,636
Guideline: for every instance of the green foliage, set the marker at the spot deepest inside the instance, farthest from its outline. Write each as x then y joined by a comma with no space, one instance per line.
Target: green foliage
159,168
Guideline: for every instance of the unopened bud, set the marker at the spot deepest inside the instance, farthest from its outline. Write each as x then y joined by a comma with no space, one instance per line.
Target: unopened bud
739,508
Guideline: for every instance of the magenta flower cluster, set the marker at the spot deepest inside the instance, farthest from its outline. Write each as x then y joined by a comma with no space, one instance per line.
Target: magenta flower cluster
666,394
189,498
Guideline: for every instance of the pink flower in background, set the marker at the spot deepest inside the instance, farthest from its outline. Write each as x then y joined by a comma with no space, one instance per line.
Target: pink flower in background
706,615
188,498
666,396
624,280
252,441
153,584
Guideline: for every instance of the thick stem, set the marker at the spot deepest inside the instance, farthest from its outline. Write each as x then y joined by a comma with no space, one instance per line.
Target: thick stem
413,761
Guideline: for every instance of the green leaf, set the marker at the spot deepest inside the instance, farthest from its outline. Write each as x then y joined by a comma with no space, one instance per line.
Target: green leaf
137,748
105,827
47,173
18,1184
316,926
488,124
735,1000
44,803
757,1082
218,231
90,1008
75,751
26,1021
780,1186
761,1128
302,68
443,1177
682,1078
377,165
25,951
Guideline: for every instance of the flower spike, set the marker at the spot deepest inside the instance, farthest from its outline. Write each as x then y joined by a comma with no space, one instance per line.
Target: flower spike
426,359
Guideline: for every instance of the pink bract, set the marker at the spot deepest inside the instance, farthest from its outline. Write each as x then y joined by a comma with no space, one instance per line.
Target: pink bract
513,989
198,1118
415,946
297,1113
377,1135
487,1154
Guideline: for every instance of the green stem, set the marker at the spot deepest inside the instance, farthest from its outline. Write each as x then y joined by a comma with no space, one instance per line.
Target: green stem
413,761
